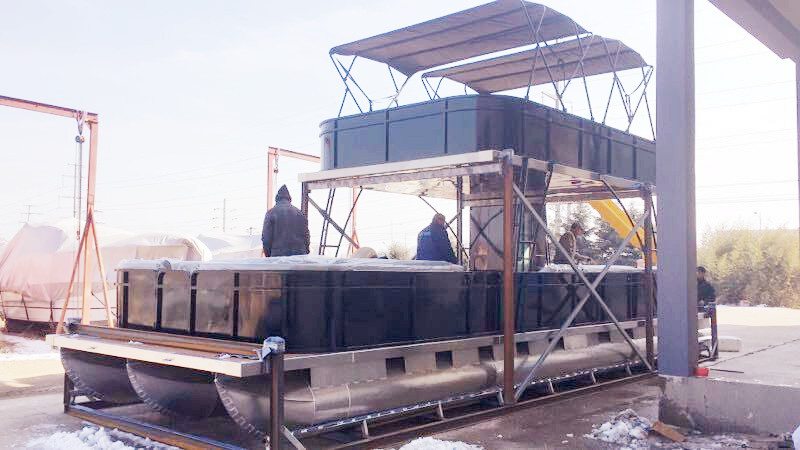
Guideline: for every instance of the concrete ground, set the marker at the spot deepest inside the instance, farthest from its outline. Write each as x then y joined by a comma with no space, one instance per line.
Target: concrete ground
770,349
770,346
30,394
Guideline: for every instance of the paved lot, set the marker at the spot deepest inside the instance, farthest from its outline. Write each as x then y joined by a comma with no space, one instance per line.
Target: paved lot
30,393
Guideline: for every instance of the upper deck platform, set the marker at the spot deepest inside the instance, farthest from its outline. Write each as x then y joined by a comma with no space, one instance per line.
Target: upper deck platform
463,124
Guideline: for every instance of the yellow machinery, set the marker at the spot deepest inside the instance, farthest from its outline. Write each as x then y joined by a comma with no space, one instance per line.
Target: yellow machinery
619,221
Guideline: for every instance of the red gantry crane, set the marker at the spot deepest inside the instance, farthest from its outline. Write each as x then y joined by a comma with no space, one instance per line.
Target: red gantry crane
85,246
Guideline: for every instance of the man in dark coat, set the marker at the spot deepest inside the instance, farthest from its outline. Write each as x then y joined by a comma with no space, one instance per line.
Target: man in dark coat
285,229
433,243
705,291
569,241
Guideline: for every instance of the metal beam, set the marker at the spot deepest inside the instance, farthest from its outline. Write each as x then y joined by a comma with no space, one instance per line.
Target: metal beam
509,345
675,178
592,292
47,109
330,220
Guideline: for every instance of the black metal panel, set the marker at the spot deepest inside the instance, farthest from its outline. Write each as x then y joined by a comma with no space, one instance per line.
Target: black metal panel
484,122
441,305
142,298
321,311
175,300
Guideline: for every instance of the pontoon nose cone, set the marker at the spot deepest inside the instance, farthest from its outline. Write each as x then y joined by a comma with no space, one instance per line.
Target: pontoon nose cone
172,390
100,376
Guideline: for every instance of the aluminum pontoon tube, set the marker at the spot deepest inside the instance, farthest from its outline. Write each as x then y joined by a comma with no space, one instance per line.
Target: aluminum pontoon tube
247,399
100,376
172,390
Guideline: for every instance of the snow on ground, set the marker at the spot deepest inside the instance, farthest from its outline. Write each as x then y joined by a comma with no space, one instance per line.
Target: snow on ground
627,429
429,443
19,348
632,431
92,438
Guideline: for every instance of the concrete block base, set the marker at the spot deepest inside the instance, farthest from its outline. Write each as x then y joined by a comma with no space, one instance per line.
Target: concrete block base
719,406
726,343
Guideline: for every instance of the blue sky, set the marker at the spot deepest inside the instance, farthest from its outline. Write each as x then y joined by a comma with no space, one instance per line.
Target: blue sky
191,93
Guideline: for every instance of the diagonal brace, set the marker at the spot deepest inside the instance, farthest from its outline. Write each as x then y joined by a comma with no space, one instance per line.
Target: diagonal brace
330,220
592,292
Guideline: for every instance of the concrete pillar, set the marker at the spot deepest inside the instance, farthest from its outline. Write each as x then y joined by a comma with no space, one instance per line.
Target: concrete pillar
675,181
797,93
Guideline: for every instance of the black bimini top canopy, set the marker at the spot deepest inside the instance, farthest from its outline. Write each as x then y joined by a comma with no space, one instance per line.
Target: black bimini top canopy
583,57
498,26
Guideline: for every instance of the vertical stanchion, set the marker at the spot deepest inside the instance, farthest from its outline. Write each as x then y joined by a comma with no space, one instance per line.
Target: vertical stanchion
304,199
276,347
712,311
459,218
648,276
508,283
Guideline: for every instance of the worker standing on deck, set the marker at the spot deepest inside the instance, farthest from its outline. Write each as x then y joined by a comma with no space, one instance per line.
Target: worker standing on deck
569,241
705,291
285,229
433,243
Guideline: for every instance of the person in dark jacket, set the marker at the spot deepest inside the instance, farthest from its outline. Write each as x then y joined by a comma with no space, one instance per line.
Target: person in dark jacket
433,243
285,229
569,241
705,291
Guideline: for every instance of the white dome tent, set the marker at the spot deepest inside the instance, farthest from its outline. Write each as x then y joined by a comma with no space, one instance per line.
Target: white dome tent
36,264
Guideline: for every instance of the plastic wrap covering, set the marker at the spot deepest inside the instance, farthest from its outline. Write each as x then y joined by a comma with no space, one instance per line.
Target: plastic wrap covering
296,263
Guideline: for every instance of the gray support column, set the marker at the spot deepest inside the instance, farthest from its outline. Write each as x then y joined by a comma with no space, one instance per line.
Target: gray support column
677,284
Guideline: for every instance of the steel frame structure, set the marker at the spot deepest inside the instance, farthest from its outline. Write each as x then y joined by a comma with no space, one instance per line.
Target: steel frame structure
502,164
630,102
86,242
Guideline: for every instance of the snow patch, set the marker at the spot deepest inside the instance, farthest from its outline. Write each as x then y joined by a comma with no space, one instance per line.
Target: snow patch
429,443
15,348
627,429
93,438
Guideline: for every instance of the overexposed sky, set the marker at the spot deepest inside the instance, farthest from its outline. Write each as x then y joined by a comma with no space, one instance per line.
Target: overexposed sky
191,93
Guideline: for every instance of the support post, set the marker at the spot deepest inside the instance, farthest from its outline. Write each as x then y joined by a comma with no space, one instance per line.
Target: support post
459,218
272,163
86,298
712,311
304,198
675,178
508,282
88,257
275,358
647,250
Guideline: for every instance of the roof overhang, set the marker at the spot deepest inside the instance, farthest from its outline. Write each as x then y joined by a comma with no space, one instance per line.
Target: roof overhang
562,61
437,178
776,23
494,27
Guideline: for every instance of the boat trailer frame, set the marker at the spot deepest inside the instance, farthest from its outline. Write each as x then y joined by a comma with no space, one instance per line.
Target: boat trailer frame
500,400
